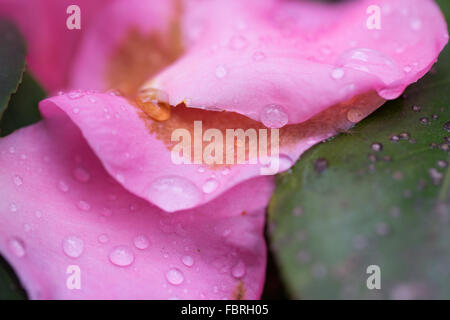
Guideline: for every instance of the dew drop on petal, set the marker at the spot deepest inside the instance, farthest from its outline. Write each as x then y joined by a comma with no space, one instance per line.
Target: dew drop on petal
73,95
338,73
83,205
355,115
274,116
18,181
121,256
188,261
103,238
16,247
63,186
13,207
174,276
141,242
73,246
210,185
174,193
239,269
221,72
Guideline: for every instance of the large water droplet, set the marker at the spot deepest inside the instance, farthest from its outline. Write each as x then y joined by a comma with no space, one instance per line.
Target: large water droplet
141,242
174,276
174,193
373,62
16,246
73,246
210,185
239,269
81,174
13,207
274,116
121,256
221,72
188,261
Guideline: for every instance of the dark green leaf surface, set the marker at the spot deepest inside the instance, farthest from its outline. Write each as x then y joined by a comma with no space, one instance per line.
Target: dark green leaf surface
12,62
388,208
23,106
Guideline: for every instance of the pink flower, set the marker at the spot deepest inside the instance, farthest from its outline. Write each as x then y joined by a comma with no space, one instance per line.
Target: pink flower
94,184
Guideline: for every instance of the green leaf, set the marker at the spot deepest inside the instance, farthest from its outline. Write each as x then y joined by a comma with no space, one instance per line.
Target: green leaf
12,62
328,226
10,288
22,109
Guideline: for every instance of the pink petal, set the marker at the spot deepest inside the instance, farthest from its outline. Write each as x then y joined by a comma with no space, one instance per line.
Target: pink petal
59,208
135,153
302,56
51,45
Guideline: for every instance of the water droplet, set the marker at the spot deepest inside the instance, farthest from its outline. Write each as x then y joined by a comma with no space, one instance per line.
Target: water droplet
424,120
18,181
435,176
225,171
259,56
210,185
404,135
442,163
38,214
394,138
12,150
73,246
320,165
141,242
274,116
17,247
238,42
355,115
174,276
103,238
26,227
81,174
239,269
76,110
338,73
188,261
407,69
92,100
447,126
62,185
121,256
73,95
154,103
83,205
373,62
376,146
416,108
221,72
13,207
174,193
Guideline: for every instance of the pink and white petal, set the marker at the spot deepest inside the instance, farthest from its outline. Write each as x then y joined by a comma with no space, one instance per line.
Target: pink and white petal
51,45
60,210
300,55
